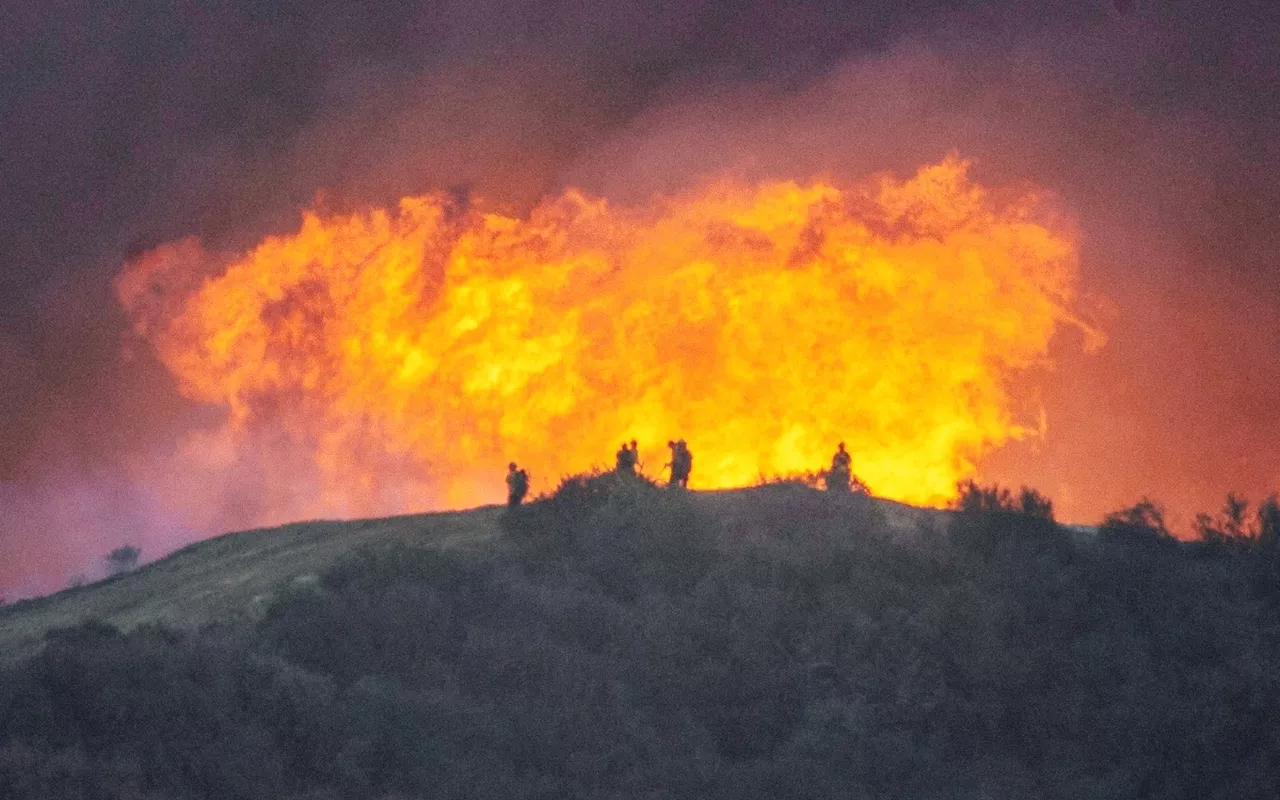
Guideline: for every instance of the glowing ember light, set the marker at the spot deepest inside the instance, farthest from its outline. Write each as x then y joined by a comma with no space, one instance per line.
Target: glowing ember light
409,355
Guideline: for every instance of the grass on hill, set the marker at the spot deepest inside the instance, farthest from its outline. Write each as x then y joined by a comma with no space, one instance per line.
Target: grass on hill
229,578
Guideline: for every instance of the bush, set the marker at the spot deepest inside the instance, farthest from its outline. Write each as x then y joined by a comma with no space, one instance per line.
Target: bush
994,499
990,519
1230,526
1141,522
662,543
814,479
810,479
559,515
387,610
122,559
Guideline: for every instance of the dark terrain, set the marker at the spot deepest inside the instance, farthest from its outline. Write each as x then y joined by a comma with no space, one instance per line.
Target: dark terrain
617,640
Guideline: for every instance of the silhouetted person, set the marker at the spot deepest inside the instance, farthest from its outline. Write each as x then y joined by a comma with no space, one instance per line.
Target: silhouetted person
626,464
686,462
681,463
841,470
517,485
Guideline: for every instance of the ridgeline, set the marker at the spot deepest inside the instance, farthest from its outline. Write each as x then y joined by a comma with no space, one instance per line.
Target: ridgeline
620,640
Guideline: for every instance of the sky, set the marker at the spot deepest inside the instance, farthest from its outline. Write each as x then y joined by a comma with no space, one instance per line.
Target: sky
124,125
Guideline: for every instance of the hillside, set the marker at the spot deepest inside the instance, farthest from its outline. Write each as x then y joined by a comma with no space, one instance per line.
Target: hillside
618,640
230,578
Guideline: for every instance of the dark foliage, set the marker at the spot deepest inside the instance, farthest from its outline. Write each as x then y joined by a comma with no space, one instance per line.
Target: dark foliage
1142,523
122,559
1235,525
815,479
561,514
972,498
629,643
993,520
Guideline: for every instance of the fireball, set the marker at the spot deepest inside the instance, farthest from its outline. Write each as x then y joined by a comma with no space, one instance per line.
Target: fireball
398,359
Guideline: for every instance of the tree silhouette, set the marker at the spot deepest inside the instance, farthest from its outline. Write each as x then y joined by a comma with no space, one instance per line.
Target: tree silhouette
122,559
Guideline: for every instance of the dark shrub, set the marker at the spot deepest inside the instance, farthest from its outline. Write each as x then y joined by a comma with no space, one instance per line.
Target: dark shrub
379,566
646,541
1140,524
122,559
990,519
972,498
1230,526
559,515
396,610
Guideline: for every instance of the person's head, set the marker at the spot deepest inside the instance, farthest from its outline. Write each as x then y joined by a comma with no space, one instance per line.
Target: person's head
681,443
670,443
511,467
842,447
633,444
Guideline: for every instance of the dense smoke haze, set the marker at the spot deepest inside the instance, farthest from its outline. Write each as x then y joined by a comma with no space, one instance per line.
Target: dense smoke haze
127,126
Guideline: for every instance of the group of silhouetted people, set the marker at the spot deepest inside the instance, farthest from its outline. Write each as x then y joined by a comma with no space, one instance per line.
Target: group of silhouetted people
838,478
628,459
680,465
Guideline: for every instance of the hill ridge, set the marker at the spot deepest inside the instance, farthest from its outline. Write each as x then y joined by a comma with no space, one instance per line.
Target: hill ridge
225,578
219,579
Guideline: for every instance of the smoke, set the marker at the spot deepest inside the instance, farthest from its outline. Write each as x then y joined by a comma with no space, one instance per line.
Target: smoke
121,131
60,529
1176,406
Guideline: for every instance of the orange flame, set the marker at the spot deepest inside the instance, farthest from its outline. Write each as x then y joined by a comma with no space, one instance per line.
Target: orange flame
425,348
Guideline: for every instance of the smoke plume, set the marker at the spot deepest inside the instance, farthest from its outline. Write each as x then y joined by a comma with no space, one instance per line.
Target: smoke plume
123,132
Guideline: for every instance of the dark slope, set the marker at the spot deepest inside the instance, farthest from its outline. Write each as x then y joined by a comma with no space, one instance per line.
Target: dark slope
230,578
623,641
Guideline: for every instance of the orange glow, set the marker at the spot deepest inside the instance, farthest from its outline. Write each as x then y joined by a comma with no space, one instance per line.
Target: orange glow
428,346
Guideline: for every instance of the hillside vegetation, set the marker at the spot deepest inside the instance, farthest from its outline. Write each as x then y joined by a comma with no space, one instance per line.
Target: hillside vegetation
617,640
232,578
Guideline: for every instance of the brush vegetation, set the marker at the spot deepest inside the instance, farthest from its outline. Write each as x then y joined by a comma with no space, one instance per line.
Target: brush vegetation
616,640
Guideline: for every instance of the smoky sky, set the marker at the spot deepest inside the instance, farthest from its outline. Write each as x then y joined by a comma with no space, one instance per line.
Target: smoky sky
125,125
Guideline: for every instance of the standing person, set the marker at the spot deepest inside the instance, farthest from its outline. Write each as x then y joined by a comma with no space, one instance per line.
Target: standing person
841,470
517,485
635,457
686,463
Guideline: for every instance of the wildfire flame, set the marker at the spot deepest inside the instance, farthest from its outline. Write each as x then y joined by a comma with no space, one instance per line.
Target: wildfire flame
410,354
